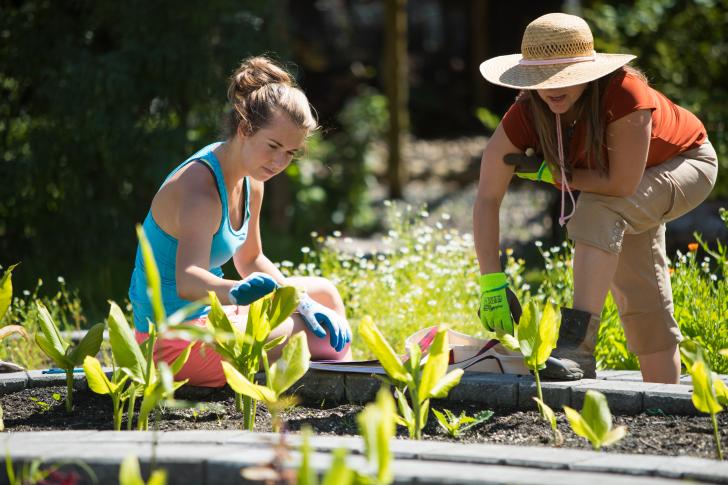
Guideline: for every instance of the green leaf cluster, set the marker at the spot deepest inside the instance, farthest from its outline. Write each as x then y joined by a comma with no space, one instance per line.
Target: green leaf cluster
423,379
595,421
130,473
243,350
710,393
455,425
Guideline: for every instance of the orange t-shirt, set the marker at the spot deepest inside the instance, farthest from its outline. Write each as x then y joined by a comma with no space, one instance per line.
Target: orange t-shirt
674,129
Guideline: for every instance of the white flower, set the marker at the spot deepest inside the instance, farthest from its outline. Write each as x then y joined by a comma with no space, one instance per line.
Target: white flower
61,280
305,250
538,244
445,216
337,233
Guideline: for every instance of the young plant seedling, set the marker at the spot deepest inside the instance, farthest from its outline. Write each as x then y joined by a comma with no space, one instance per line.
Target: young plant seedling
710,393
550,417
100,384
286,371
338,473
243,350
61,352
595,421
455,425
130,473
423,382
377,425
6,291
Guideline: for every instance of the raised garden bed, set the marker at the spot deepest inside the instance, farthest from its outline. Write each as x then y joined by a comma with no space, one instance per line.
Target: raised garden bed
654,432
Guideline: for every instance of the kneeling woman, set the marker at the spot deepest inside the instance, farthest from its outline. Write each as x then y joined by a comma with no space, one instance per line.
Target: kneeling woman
208,211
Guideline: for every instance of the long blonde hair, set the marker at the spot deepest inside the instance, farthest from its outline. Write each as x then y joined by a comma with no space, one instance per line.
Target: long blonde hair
257,89
589,103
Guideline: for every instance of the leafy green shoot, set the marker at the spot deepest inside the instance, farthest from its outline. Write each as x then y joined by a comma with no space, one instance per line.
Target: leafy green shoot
377,427
455,425
550,417
130,473
422,382
595,421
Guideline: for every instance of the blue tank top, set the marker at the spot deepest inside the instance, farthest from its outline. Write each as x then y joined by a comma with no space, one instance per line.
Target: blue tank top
225,242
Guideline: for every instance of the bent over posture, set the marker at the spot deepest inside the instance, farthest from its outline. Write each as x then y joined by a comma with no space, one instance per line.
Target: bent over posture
587,122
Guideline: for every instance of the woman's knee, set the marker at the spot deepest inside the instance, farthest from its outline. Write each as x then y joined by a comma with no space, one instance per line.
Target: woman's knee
322,290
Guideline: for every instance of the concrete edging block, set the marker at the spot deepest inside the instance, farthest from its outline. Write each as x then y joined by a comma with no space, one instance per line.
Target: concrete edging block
13,382
624,397
555,394
495,390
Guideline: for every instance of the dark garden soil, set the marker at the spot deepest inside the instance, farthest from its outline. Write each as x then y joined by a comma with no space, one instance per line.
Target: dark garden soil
654,433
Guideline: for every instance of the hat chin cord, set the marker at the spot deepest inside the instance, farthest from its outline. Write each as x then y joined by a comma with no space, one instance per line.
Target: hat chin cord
564,182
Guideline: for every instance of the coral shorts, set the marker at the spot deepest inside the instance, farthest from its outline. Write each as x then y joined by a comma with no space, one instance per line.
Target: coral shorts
634,228
203,368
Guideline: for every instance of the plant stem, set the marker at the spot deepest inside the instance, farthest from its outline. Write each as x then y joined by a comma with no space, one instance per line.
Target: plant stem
117,413
716,436
239,402
69,390
130,410
248,413
538,390
416,411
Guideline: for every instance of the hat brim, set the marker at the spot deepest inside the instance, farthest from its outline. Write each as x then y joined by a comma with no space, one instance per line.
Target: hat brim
506,71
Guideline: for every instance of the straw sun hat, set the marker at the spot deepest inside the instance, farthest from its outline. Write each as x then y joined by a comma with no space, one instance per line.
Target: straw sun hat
557,51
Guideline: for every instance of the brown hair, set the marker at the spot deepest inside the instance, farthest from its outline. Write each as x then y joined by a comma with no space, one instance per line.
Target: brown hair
259,88
590,102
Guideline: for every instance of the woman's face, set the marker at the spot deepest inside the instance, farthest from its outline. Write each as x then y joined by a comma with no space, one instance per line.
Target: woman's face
561,100
268,151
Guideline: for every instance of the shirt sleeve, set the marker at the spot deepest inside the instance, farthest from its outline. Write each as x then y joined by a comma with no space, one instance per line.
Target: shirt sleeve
519,128
626,94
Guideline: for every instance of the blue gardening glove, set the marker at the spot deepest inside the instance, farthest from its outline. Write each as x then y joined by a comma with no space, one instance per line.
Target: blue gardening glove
530,166
495,311
252,288
319,317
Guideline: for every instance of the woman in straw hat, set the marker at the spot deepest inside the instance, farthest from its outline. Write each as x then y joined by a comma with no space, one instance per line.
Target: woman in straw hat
586,122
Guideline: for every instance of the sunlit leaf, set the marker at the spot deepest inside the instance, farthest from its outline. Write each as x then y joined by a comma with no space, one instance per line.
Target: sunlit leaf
60,360
241,385
96,377
436,366
548,334
284,302
292,365
124,347
129,472
6,290
444,385
181,359
614,435
704,397
50,329
596,412
339,473
154,285
89,344
580,426
379,346
272,344
377,427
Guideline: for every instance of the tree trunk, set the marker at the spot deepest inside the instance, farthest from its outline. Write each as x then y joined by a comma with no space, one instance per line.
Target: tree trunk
397,87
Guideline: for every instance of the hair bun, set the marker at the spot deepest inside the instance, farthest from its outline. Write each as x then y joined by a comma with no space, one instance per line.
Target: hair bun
253,74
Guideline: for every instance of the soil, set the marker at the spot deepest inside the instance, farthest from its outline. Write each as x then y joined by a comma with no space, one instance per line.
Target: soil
654,433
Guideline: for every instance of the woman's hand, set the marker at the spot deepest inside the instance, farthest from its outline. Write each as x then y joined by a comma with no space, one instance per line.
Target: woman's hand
251,288
317,317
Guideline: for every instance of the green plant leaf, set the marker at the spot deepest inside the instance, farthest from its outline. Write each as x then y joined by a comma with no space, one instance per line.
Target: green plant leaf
444,385
292,365
614,435
596,412
405,412
159,477
284,302
479,418
271,344
381,349
241,385
377,427
11,329
436,365
89,344
154,285
57,357
50,329
548,334
96,378
445,423
127,353
6,290
721,390
129,472
691,352
339,473
547,413
181,360
581,427
306,473
528,332
704,398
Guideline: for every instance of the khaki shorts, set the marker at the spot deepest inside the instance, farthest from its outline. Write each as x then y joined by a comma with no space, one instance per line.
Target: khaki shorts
634,228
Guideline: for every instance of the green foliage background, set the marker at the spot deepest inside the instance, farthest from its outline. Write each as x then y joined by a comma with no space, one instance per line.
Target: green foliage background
98,100
682,47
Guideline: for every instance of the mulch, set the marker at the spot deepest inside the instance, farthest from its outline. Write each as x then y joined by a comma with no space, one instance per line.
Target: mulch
656,433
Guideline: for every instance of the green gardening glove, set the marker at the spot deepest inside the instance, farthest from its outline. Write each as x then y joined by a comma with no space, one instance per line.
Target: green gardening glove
495,312
530,167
